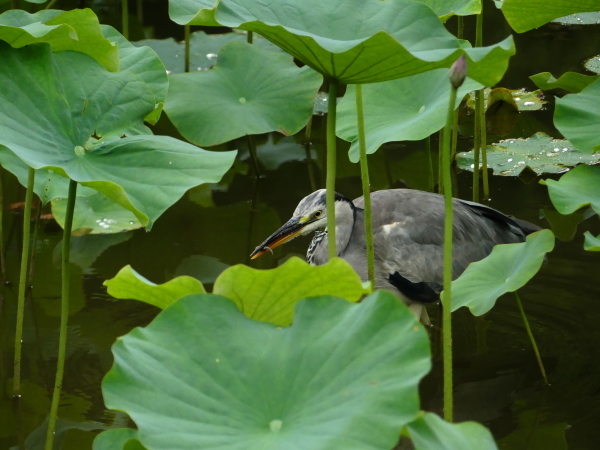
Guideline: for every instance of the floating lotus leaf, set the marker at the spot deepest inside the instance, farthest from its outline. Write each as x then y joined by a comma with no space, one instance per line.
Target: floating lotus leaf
570,81
193,12
424,105
128,284
118,439
524,100
453,7
577,117
524,15
589,18
364,41
273,154
96,214
593,64
270,295
592,243
203,375
508,268
204,268
575,189
249,91
78,30
56,105
429,431
540,153
204,49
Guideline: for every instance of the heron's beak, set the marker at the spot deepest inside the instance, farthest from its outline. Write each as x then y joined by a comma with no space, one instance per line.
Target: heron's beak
291,229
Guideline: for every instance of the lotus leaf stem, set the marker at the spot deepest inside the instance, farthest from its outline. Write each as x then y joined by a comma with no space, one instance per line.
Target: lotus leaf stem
23,281
430,175
140,10
49,5
476,147
440,161
309,162
250,37
532,339
331,161
186,33
483,146
460,27
36,228
2,255
125,17
366,186
253,154
446,299
64,313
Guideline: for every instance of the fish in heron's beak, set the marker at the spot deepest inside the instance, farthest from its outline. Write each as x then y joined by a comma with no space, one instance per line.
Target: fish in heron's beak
291,229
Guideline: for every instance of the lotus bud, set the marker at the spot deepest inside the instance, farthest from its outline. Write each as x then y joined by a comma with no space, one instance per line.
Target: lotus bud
458,72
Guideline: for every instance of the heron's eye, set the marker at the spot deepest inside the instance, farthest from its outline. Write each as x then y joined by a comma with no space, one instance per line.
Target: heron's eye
318,213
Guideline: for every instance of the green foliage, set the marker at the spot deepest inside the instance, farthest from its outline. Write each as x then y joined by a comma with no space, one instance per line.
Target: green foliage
78,30
346,40
128,284
424,102
60,103
193,12
450,7
506,269
524,15
569,81
577,117
429,431
523,100
540,153
249,91
118,439
578,188
589,18
343,375
593,64
270,295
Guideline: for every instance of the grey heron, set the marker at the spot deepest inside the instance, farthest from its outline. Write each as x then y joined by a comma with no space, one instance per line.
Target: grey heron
408,228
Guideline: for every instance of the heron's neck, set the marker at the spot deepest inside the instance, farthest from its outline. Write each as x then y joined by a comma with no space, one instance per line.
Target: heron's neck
344,224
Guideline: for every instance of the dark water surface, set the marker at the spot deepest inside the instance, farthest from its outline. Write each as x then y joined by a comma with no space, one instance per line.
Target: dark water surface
497,378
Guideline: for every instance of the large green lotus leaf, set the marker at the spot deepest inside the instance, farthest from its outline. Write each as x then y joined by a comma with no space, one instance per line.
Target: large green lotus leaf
424,98
249,91
429,431
54,104
524,15
570,81
577,117
364,41
193,12
202,375
270,295
589,18
540,153
143,62
118,439
96,214
457,7
593,64
592,243
575,189
78,30
128,284
204,49
506,269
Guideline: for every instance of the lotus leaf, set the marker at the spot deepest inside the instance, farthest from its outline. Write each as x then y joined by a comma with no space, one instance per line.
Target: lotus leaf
204,49
249,91
570,81
430,431
577,117
204,268
589,18
524,15
407,109
575,189
592,243
128,284
524,100
270,295
540,153
364,41
273,154
54,107
193,12
85,250
506,269
564,226
593,64
118,439
456,7
78,30
96,214
344,375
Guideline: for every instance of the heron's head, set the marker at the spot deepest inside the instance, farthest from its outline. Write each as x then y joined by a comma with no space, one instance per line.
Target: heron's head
310,215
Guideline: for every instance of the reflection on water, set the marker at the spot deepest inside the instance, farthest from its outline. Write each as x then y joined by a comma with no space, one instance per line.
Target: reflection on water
497,377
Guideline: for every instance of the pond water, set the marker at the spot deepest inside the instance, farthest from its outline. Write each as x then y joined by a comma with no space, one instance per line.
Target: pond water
497,378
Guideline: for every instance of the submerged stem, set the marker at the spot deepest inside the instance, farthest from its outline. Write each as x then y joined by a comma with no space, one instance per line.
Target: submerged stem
23,281
125,18
531,338
331,161
64,313
430,176
366,186
186,34
2,255
446,299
